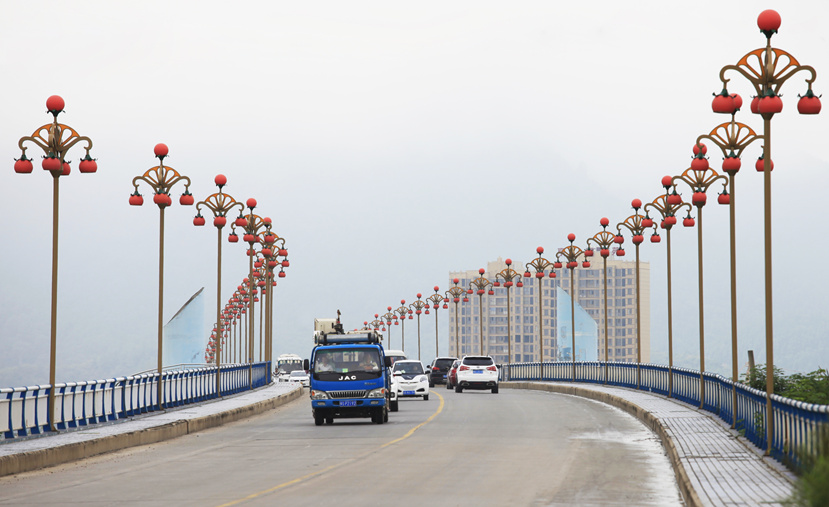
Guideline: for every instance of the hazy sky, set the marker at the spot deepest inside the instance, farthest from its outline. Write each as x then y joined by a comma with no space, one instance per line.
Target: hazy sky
392,143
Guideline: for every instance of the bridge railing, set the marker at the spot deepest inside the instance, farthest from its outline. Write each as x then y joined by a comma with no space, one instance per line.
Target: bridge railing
795,427
24,410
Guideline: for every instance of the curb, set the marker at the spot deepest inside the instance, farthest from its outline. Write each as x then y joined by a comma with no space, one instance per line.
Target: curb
689,495
35,460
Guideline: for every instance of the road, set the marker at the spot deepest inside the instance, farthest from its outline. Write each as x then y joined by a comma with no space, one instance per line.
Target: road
472,448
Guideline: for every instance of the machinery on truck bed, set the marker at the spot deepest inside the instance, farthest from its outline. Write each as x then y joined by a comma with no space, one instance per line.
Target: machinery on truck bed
349,374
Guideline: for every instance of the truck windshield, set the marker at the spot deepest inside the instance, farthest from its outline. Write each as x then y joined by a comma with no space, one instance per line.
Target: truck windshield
345,360
288,367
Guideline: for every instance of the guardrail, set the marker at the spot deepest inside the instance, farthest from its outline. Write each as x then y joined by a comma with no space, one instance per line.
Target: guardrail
24,410
795,423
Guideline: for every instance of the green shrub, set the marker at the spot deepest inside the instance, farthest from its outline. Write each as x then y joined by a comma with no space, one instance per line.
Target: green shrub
812,488
812,387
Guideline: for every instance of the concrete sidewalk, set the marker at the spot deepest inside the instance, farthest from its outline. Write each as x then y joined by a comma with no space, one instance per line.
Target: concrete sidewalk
33,453
713,464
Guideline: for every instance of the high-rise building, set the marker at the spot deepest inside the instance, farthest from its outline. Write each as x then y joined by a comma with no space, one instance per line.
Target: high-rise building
557,325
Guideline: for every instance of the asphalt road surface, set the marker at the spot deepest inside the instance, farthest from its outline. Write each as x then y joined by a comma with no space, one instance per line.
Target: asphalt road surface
472,448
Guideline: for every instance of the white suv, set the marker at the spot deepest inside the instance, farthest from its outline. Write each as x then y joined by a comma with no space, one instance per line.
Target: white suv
477,372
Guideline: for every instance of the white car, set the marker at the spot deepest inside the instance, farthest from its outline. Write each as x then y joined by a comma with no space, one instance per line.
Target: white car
409,380
300,376
477,372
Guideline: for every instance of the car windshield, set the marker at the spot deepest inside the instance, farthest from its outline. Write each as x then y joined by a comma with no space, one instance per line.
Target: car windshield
443,363
413,368
478,361
345,360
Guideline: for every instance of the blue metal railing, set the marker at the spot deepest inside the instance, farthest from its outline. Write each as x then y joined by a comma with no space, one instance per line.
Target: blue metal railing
795,423
24,410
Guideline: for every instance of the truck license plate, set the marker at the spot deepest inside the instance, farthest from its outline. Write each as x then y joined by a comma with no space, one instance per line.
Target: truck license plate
348,403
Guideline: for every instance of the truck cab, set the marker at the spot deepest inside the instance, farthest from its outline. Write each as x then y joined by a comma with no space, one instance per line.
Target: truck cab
349,377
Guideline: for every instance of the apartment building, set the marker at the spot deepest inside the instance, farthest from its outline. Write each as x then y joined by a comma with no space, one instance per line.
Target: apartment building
510,316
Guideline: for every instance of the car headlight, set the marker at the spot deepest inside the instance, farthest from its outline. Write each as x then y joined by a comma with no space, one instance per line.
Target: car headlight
319,395
422,379
377,393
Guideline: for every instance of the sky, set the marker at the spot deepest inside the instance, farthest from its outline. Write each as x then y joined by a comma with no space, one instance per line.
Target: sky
392,143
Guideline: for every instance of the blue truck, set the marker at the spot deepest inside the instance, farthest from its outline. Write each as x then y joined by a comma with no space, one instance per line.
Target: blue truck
349,374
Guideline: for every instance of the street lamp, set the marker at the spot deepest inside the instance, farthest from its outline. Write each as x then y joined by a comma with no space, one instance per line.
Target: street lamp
603,240
219,204
731,138
540,265
454,293
507,275
389,316
667,206
571,254
436,300
402,310
161,179
480,284
55,139
259,278
254,228
376,324
636,224
273,248
418,307
244,345
700,177
276,245
767,69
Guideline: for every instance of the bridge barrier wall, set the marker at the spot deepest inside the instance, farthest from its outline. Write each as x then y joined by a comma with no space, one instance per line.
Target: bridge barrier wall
795,424
24,411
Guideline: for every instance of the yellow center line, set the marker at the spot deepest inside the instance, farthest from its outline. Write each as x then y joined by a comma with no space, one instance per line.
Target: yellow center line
424,423
332,467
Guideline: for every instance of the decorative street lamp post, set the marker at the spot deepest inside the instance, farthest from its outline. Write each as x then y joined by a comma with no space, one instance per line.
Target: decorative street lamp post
454,293
507,275
603,240
700,177
636,224
219,204
767,69
55,139
245,333
667,206
418,307
161,179
436,300
259,282
273,248
389,316
540,265
376,324
731,138
571,254
402,310
254,228
480,284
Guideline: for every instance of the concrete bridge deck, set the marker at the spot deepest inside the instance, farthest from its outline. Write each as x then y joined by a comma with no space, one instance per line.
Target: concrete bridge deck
713,464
